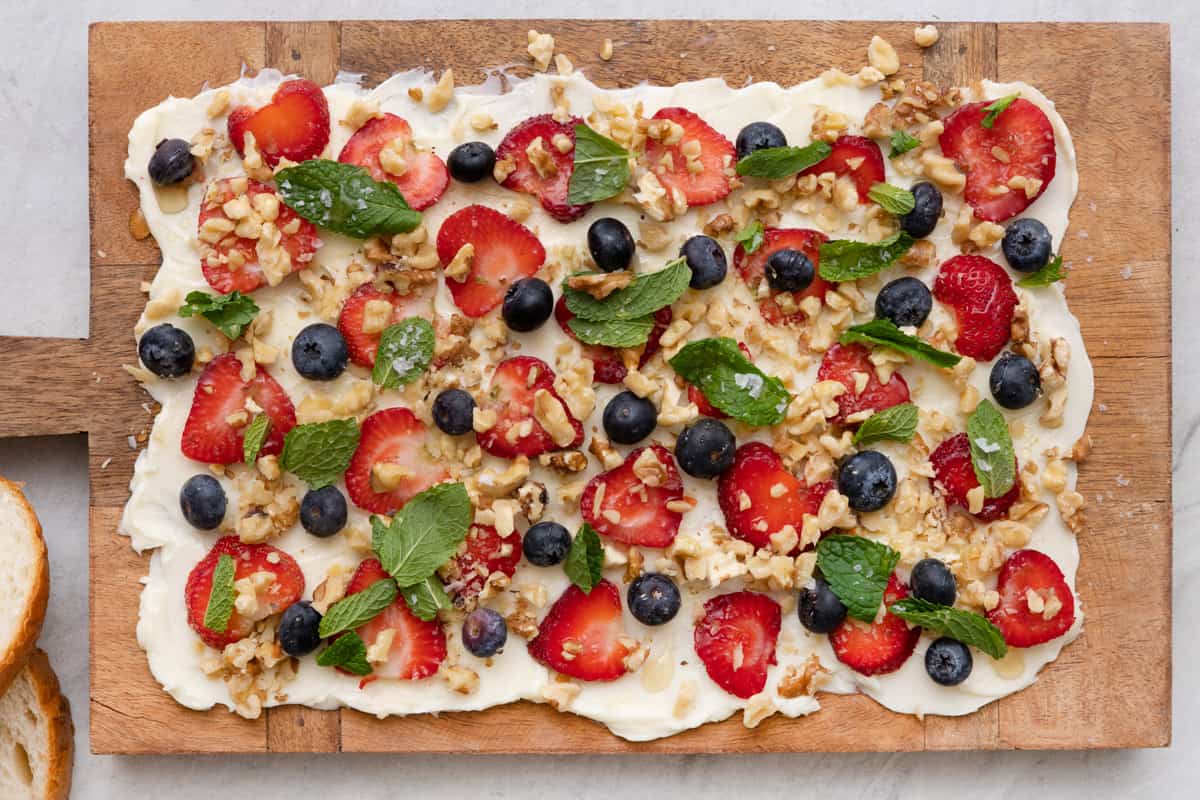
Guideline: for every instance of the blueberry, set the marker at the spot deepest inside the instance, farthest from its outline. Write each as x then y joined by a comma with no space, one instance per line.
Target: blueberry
546,544
1027,245
167,351
948,662
705,448
454,412
905,301
629,418
471,162
527,304
924,217
1014,381
653,599
758,136
868,480
933,581
611,244
706,260
298,629
171,163
319,352
323,511
819,608
789,270
484,632
202,501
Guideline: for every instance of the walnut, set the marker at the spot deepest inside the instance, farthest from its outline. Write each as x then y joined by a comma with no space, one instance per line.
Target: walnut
600,285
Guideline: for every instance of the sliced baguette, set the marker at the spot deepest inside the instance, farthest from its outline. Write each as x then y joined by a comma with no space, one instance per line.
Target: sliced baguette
24,580
36,735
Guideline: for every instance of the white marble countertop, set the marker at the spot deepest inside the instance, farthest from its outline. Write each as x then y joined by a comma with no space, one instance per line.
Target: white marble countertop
43,169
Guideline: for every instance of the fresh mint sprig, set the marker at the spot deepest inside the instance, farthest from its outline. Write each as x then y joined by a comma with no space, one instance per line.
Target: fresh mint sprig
644,295
848,260
222,595
897,423
1048,275
349,652
964,626
995,108
857,571
776,163
255,437
731,382
357,609
318,453
884,333
992,454
601,168
750,237
892,199
405,352
345,198
902,142
584,564
230,313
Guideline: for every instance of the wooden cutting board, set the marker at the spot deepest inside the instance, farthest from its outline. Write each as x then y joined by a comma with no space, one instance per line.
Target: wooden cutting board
1111,82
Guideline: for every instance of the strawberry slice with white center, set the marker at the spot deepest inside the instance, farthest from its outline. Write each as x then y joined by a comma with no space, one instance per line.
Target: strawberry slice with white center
420,175
782,307
484,553
607,366
357,313
418,647
1036,604
294,125
539,167
630,503
504,252
844,363
956,479
391,464
736,640
858,157
878,647
760,497
224,405
519,387
582,635
697,164
981,294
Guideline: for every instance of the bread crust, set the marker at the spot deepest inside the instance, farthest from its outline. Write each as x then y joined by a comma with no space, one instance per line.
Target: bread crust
60,730
34,614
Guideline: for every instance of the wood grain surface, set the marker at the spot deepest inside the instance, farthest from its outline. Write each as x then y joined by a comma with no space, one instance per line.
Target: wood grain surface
1111,688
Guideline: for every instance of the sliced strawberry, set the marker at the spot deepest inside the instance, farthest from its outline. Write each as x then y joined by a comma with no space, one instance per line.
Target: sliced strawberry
858,157
505,252
752,267
425,176
1024,139
581,635
736,640
981,295
956,477
248,559
710,181
753,507
418,647
607,366
294,125
208,434
550,188
512,395
362,346
232,262
1026,573
393,436
621,505
842,363
485,552
879,647
701,402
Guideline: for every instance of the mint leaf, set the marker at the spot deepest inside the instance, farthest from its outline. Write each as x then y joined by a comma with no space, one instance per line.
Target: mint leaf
892,199
255,436
601,168
345,198
349,652
902,142
995,109
427,598
750,237
231,313
1051,273
221,596
857,570
964,626
613,333
584,564
405,351
646,294
424,534
897,423
782,162
358,609
992,454
848,260
318,453
731,383
884,333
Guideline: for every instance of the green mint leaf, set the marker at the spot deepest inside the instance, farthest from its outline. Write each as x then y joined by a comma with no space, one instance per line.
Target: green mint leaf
897,423
848,260
1051,273
613,333
345,198
992,453
584,564
884,333
424,534
892,199
358,609
731,383
964,626
405,351
750,237
318,453
644,295
221,597
601,168
231,313
349,652
857,571
782,162
995,109
427,598
902,142
255,436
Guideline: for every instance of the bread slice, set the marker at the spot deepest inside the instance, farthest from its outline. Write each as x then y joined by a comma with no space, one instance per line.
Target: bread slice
36,735
24,581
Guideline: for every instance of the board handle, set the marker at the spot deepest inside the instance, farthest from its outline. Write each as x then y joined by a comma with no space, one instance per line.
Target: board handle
42,386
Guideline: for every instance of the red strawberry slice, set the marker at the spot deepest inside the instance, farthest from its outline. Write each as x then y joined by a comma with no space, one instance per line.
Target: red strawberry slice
221,394
362,346
879,647
736,640
395,436
752,267
956,477
550,189
981,295
486,552
418,647
841,363
514,387
232,263
425,176
753,507
505,252
701,402
710,182
1024,135
607,366
858,157
1026,572
248,559
581,635
623,507
294,125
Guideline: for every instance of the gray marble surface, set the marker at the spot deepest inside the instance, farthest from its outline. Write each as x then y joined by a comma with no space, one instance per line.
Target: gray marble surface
43,170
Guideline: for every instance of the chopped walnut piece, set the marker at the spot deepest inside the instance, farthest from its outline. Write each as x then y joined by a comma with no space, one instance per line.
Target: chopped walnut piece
606,50
796,683
925,36
442,93
600,285
540,48
882,56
